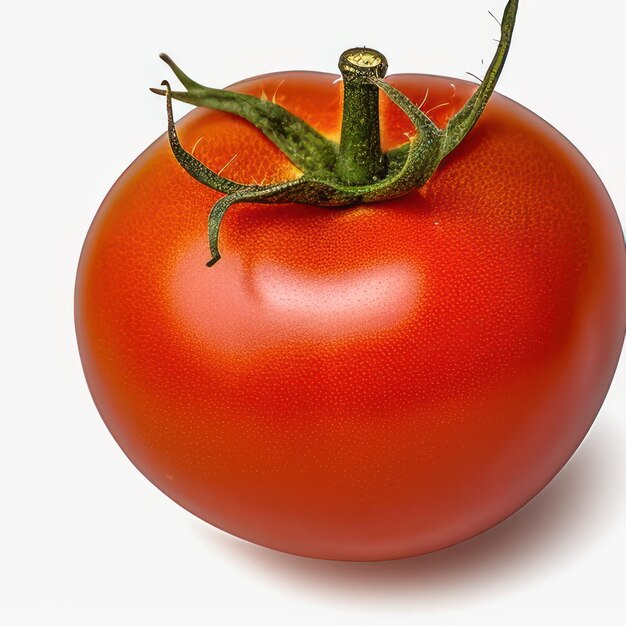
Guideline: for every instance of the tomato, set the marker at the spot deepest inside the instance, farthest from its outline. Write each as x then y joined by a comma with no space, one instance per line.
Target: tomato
370,382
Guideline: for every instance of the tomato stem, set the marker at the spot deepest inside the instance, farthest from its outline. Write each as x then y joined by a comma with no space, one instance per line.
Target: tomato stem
361,160
356,170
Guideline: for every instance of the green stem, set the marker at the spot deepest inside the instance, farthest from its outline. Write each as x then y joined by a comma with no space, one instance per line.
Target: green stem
356,170
361,160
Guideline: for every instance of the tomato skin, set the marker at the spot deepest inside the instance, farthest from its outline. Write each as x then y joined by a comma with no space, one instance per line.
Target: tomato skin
367,383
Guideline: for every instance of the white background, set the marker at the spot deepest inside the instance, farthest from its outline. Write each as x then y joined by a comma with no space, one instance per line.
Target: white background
85,539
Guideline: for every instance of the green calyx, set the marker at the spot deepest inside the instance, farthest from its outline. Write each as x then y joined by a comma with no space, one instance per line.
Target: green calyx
335,175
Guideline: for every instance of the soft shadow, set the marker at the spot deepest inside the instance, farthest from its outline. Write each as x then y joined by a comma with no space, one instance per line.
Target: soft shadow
547,533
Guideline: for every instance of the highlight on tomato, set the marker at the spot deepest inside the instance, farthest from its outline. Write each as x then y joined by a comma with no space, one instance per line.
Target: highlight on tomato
414,305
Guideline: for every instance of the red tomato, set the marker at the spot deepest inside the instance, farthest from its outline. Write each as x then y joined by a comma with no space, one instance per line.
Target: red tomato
364,383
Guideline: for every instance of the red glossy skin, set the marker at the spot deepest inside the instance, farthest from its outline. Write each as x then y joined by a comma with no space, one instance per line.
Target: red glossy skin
366,383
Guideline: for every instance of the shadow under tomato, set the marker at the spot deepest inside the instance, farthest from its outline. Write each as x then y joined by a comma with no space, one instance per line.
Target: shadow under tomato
551,530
